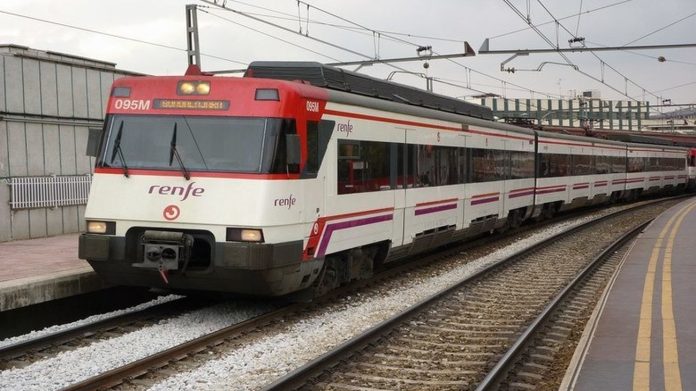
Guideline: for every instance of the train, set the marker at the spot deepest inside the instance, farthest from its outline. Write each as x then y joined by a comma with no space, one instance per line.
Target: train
300,177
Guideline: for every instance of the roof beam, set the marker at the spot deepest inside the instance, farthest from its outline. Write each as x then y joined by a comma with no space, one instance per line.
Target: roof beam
485,48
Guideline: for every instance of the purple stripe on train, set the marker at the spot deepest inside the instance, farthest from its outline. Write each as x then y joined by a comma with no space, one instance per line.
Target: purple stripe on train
521,194
348,224
484,200
434,209
547,191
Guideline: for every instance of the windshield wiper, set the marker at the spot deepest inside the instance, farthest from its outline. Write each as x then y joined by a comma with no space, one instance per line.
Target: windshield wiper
173,152
119,151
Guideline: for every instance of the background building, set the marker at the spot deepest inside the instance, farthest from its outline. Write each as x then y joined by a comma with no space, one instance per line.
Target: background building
47,103
587,109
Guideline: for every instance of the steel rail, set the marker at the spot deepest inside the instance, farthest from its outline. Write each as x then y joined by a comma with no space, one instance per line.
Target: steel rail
137,368
19,349
299,377
496,375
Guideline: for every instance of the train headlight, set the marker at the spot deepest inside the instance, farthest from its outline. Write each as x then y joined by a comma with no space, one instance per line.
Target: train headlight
101,227
244,235
203,88
187,88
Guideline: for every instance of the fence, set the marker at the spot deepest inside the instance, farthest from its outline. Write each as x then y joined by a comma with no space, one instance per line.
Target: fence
49,191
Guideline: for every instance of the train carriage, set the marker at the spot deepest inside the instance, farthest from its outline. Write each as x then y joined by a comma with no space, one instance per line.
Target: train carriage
300,176
691,169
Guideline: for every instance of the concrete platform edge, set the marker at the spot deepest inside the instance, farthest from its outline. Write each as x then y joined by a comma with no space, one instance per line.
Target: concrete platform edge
33,290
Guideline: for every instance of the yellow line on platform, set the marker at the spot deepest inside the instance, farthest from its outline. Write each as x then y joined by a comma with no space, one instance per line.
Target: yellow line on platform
670,353
641,369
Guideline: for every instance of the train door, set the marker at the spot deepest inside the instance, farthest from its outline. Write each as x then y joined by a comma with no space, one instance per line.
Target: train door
360,190
400,177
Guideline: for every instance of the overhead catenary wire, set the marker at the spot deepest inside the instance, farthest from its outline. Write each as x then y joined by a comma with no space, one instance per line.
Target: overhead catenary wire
93,31
603,62
677,86
414,44
223,6
662,28
577,26
577,69
563,18
270,35
595,43
212,2
290,17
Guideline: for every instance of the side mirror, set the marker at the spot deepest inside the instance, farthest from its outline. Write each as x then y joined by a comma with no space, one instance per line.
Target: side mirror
292,152
93,141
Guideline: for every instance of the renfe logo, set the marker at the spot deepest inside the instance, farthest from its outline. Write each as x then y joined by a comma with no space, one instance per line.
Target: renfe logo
177,190
346,128
288,201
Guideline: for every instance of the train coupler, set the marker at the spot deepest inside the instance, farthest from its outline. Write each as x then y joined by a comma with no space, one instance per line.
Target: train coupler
165,251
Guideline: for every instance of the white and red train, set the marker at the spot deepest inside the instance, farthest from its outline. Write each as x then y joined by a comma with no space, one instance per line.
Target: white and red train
264,186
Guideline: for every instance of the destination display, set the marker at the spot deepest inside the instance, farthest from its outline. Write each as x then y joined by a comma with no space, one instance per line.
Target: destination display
187,104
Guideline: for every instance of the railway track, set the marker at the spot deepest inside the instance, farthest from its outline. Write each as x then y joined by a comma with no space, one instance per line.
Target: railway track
537,359
24,353
469,336
149,370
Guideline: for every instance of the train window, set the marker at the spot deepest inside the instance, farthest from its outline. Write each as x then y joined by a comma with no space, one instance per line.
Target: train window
502,165
653,164
312,147
227,144
436,165
401,162
363,166
636,164
582,165
602,164
425,165
462,165
618,164
447,173
318,136
411,179
553,165
521,165
668,164
488,165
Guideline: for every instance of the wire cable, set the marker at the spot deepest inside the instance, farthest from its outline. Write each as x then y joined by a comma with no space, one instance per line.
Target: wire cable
270,35
577,26
678,86
238,12
114,35
602,61
563,18
367,29
662,28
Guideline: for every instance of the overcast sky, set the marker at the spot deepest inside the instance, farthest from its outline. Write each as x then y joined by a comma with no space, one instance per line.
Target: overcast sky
443,24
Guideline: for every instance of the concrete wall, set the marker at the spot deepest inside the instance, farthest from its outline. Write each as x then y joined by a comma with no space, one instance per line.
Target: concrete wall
47,103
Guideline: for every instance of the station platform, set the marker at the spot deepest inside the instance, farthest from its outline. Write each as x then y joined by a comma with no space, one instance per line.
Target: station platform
642,335
38,270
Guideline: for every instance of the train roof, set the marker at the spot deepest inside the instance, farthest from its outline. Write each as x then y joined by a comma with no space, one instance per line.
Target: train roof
339,79
583,139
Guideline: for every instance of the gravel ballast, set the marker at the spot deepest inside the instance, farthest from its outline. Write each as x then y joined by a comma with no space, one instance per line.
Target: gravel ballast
251,367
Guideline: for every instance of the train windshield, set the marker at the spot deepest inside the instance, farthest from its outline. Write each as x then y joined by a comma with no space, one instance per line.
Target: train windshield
230,144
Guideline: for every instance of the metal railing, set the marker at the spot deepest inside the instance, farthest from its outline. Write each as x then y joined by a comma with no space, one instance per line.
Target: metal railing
49,191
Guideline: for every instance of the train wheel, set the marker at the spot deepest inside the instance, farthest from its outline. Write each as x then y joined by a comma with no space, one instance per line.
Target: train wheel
328,278
515,218
548,211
